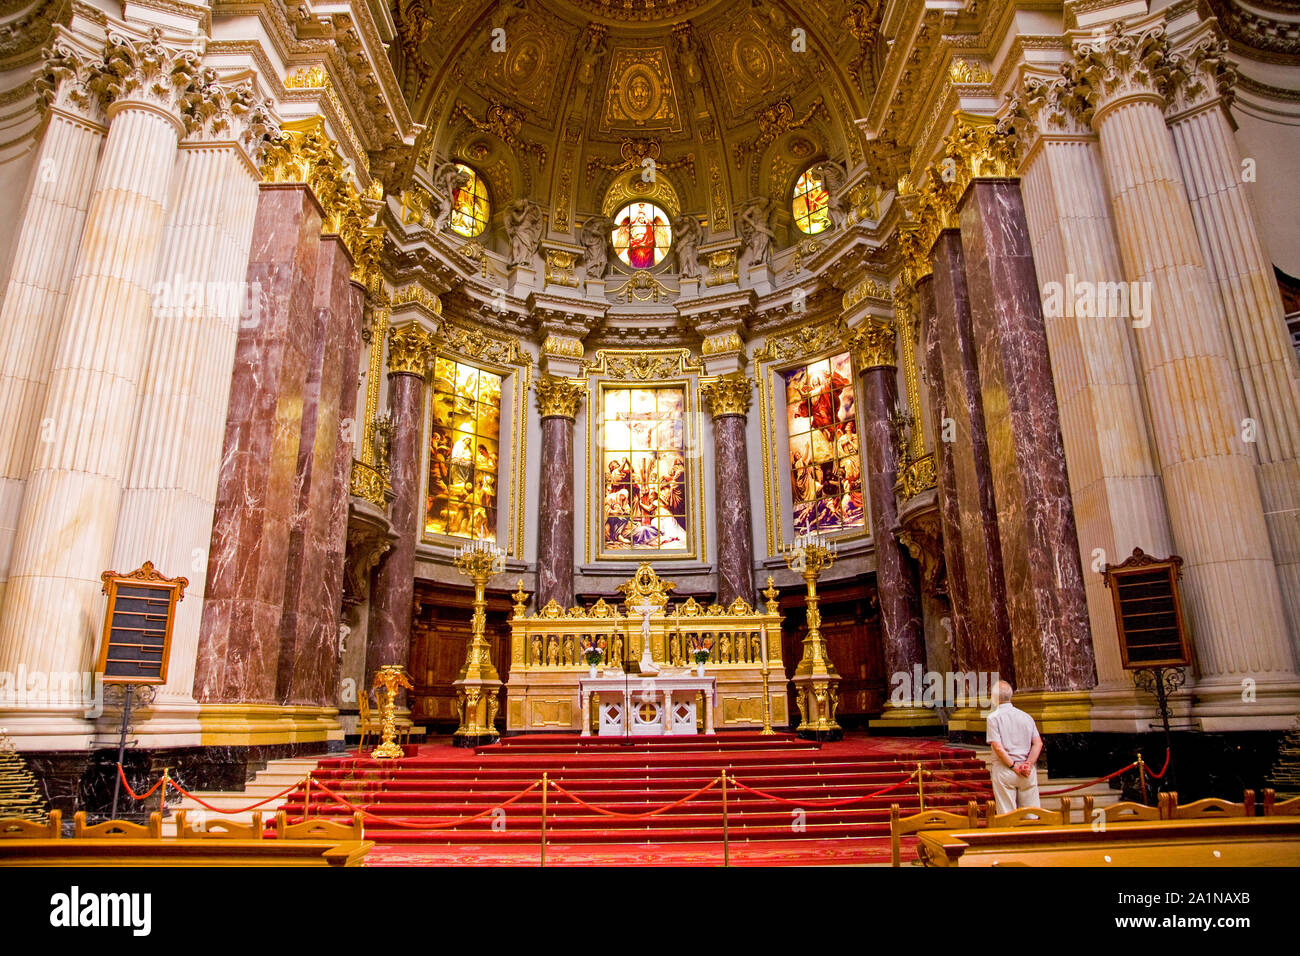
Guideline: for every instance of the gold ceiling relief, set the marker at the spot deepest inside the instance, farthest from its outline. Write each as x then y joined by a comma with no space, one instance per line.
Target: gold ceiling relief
641,11
503,122
754,65
527,69
630,187
641,91
633,154
776,119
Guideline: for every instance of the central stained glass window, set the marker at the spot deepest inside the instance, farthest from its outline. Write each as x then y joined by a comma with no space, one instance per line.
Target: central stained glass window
644,455
464,449
642,235
825,463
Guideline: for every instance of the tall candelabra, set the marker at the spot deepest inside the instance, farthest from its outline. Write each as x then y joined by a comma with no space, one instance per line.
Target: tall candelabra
478,685
815,679
388,680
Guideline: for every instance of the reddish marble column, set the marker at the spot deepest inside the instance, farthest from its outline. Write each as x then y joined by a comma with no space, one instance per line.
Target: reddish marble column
729,398
896,582
392,594
308,639
558,401
986,610
239,637
945,468
1040,549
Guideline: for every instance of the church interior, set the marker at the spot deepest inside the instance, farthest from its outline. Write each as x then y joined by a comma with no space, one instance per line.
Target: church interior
620,432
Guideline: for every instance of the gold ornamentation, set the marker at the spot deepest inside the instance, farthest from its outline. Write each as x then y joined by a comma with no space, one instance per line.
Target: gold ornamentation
723,268
563,346
868,288
722,344
410,349
559,398
721,219
479,345
918,476
633,152
478,682
873,345
639,365
418,295
773,121
728,394
503,122
521,599
641,91
367,482
560,268
903,319
980,147
772,596
377,306
148,573
646,587
312,77
805,340
389,679
967,72
814,676
475,253
641,286
564,186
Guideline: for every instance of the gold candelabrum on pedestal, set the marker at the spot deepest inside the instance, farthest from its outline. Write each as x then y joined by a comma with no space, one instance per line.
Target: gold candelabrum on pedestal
772,608
478,686
815,679
389,679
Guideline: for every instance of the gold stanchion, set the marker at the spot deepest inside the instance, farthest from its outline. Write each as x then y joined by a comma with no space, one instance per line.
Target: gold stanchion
726,836
162,791
545,786
920,784
1142,777
390,677
306,806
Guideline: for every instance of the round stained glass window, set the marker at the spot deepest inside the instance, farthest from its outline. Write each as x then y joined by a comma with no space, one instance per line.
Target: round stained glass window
809,203
469,205
641,235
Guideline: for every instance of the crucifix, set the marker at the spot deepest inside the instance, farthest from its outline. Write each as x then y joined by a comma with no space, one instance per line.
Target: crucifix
646,665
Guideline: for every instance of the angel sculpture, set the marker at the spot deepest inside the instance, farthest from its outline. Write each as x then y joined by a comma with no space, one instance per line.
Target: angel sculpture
687,232
594,237
524,227
833,179
448,180
756,230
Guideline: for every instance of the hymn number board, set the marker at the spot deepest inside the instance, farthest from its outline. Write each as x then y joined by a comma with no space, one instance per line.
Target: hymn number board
138,625
1148,612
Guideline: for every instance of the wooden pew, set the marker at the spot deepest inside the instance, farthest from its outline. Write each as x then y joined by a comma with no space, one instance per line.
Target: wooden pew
1025,816
116,829
20,828
900,826
1222,841
128,851
318,828
218,829
1286,808
1210,807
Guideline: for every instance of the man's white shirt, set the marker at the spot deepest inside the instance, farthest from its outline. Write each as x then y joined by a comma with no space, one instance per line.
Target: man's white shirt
1013,729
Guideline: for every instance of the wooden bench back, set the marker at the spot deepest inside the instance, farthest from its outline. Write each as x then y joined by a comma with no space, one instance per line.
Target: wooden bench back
1210,807
218,829
116,829
1287,808
318,828
20,828
1024,817
900,826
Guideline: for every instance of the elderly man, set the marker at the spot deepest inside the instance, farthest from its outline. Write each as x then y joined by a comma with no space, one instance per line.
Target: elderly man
1016,746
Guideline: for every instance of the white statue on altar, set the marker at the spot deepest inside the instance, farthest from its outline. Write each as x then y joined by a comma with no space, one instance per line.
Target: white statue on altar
646,665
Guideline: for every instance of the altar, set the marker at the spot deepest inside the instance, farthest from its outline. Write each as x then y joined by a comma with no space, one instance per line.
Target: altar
666,704
646,635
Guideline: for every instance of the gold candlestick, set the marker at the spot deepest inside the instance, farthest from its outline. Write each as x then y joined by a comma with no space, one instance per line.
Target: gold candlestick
388,679
816,680
478,684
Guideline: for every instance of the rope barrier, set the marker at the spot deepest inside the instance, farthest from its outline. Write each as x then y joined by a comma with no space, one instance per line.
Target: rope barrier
636,816
253,806
137,796
412,824
829,803
1163,770
1109,776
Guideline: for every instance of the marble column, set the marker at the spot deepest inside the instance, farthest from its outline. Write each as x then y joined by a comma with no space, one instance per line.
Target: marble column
966,441
392,593
728,399
1114,478
52,616
308,636
1040,548
964,654
558,399
44,255
874,351
1241,273
200,302
1231,596
239,637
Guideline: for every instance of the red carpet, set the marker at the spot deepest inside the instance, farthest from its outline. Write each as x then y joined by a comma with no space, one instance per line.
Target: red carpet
819,803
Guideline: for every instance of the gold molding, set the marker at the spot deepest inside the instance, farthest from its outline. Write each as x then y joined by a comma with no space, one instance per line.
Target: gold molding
722,344
559,397
804,340
642,365
868,288
410,349
418,295
563,346
480,346
874,345
368,482
917,475
728,394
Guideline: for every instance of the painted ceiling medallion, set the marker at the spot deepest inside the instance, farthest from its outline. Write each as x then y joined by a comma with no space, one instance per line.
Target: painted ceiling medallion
641,91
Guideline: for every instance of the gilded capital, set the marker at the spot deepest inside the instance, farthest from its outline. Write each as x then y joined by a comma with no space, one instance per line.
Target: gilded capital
873,345
559,397
728,394
1122,65
977,147
410,349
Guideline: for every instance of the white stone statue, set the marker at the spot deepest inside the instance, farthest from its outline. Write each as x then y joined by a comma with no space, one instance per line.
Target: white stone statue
594,237
756,231
833,178
646,665
686,244
447,179
524,227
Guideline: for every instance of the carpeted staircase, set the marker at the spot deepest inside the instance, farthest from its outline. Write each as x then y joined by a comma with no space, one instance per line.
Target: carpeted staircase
812,791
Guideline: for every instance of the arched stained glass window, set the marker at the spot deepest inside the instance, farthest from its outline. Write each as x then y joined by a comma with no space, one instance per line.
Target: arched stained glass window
469,205
464,450
641,235
825,463
809,203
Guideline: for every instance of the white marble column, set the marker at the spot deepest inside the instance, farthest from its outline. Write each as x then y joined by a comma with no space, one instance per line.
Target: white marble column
1245,671
52,616
44,254
1241,274
199,303
1114,479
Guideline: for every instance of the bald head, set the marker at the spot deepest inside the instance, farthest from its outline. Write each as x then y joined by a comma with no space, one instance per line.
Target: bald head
1004,692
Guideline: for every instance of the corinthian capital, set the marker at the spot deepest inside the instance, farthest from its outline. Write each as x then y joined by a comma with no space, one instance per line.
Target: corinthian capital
149,72
1045,106
729,395
559,398
1201,75
1122,65
874,345
410,349
64,82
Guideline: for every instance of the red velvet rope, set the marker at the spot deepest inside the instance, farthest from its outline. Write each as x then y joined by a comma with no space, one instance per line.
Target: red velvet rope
829,803
1156,776
636,816
414,824
132,793
251,806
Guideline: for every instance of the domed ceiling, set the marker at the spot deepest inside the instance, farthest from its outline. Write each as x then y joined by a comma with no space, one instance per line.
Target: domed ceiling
556,100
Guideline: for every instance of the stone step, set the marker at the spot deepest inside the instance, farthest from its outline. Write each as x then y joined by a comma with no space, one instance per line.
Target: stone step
274,777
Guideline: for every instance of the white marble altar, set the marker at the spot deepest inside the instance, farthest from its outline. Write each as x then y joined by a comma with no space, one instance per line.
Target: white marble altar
632,705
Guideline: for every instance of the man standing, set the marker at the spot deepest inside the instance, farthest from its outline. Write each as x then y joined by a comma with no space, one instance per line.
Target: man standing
1016,745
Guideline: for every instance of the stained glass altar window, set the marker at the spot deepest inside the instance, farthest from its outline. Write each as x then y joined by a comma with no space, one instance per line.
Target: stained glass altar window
464,450
641,235
809,203
470,209
825,463
643,447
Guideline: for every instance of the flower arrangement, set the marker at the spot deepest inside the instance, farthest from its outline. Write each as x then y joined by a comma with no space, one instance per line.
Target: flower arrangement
593,652
700,649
